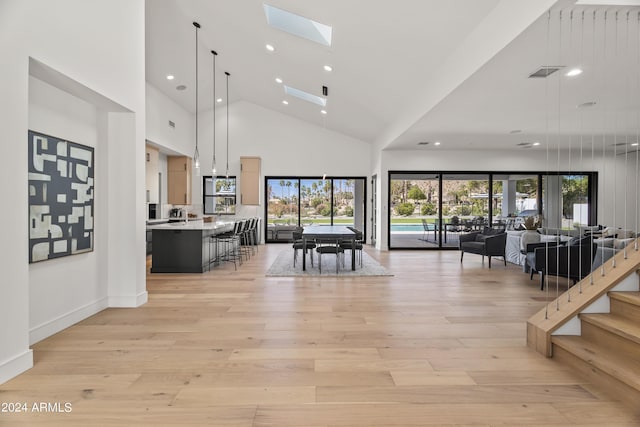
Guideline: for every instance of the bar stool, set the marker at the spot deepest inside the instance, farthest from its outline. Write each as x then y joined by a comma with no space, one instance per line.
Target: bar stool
228,246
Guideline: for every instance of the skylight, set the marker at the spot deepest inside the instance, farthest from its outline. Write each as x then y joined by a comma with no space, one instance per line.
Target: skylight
298,25
305,96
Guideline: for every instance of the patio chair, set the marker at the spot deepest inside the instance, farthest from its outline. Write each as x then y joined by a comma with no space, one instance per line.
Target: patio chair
428,227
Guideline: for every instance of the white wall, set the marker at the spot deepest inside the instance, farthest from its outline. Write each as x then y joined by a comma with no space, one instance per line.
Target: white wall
100,46
178,140
59,287
286,145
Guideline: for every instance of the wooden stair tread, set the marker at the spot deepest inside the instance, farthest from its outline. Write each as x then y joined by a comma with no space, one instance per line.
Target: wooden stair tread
624,369
629,297
617,325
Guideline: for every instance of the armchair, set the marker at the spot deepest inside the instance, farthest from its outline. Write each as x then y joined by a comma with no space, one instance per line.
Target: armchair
572,260
488,243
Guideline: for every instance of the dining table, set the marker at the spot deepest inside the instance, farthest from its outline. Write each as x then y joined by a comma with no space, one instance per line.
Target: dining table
337,232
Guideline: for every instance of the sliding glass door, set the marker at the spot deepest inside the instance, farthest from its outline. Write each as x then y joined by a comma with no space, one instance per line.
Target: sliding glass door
295,201
414,210
430,210
465,205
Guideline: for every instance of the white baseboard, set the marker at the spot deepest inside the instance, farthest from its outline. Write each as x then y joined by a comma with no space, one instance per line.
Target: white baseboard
53,326
14,367
129,301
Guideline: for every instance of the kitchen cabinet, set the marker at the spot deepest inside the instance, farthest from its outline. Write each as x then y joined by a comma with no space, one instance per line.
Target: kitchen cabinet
250,180
151,174
179,180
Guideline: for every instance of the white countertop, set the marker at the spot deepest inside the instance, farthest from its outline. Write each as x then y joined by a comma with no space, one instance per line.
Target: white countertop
196,224
157,221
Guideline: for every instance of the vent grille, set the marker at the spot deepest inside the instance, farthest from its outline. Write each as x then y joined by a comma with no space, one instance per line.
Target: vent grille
423,143
172,124
544,72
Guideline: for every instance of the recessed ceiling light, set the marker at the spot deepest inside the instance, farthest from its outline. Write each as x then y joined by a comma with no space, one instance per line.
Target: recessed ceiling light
328,68
436,143
170,77
285,102
635,144
278,80
323,111
270,47
536,143
181,87
219,100
574,72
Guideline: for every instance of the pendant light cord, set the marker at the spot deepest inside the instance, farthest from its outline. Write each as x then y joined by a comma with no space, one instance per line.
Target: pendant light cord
196,154
227,74
213,163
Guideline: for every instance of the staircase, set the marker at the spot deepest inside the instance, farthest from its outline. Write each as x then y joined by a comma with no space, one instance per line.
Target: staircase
594,328
608,350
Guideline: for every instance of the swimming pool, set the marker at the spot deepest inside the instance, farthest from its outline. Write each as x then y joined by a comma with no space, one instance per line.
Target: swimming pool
407,227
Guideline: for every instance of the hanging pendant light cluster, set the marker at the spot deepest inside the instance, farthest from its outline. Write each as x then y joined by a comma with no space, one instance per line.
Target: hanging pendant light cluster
213,160
196,154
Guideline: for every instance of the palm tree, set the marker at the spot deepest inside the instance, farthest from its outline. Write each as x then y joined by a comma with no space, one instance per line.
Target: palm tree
288,184
282,188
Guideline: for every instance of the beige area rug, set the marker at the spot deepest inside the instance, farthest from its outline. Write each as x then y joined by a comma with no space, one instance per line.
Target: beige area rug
283,266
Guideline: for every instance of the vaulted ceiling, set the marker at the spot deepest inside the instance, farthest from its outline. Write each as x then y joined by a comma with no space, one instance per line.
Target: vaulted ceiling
409,71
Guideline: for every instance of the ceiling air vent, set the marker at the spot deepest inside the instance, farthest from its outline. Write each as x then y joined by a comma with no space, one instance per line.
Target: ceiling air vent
543,72
423,143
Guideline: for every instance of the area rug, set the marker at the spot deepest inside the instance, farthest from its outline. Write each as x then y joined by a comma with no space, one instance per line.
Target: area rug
283,266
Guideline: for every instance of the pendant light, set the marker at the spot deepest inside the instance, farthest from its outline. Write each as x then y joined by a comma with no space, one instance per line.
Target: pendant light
227,74
213,160
196,154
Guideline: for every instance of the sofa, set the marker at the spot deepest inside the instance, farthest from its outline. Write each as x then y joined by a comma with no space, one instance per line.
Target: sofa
607,247
572,259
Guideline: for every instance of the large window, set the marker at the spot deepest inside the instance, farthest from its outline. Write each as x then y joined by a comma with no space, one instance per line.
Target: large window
415,210
297,201
431,210
219,195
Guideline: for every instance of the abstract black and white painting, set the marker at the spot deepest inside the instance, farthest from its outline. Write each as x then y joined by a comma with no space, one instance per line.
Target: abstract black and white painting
60,197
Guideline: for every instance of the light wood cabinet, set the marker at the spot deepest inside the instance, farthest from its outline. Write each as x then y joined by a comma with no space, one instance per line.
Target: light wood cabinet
250,180
151,174
179,180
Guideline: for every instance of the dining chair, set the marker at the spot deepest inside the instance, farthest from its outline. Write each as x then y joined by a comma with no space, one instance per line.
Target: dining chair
300,244
329,246
354,245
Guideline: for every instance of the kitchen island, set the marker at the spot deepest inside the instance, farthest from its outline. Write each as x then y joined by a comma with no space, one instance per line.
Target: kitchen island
184,247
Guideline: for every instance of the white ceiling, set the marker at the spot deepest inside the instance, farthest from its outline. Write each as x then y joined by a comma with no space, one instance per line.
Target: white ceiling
403,71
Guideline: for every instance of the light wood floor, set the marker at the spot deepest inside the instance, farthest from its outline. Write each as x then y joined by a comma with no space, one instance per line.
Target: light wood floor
437,344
